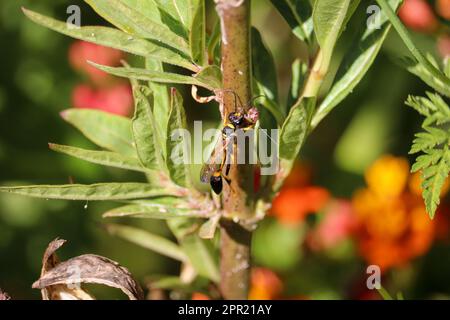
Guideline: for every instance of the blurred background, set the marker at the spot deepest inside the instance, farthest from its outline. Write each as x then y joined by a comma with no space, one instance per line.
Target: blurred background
328,224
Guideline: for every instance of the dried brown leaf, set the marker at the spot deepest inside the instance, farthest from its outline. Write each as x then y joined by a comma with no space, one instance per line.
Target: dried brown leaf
62,280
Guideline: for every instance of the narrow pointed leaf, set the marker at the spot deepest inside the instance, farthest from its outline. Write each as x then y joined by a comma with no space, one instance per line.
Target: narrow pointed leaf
106,130
298,14
197,35
292,136
330,18
114,38
106,158
355,65
178,10
264,69
161,101
99,191
147,240
177,144
153,212
200,252
299,70
155,76
136,23
145,134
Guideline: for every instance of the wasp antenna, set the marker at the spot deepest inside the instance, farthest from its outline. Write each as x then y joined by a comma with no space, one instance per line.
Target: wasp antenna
255,98
236,98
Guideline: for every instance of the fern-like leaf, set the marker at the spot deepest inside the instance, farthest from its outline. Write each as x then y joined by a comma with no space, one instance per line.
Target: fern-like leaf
433,142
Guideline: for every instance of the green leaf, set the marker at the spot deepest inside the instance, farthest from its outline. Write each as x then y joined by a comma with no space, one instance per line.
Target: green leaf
179,10
146,138
264,69
330,17
94,192
297,14
200,252
106,158
136,23
292,136
197,35
147,240
161,101
434,143
114,38
106,130
355,65
424,74
299,72
213,43
155,211
177,144
155,76
405,36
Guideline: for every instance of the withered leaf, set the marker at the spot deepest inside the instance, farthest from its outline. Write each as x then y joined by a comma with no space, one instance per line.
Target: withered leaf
62,280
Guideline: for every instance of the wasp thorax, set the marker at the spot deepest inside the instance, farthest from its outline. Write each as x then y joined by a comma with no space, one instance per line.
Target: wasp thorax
228,131
236,118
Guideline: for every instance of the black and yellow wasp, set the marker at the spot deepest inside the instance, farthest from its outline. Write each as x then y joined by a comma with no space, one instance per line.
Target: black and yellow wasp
221,157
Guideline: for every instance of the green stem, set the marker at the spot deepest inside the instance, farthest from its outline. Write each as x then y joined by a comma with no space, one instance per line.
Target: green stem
238,201
404,34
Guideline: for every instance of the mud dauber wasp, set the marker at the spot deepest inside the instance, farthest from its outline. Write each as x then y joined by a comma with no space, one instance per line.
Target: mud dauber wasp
240,119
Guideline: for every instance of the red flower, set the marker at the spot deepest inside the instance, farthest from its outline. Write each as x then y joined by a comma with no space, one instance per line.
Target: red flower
418,15
80,52
337,225
117,99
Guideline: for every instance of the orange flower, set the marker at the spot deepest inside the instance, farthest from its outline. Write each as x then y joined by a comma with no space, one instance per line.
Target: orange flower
265,285
297,198
443,8
393,226
200,296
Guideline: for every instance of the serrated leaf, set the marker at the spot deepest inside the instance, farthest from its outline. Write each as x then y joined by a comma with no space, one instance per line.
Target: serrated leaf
292,136
148,241
137,24
177,144
298,14
433,179
355,65
92,192
106,130
106,158
197,35
153,212
155,76
146,137
114,38
200,252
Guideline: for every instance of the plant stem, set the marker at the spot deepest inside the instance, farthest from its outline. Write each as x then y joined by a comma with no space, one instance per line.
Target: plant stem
238,201
404,34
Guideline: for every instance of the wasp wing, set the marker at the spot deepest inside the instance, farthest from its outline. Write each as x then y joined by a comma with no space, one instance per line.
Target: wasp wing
216,160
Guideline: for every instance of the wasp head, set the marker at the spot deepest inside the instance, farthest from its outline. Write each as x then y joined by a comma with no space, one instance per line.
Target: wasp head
236,118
